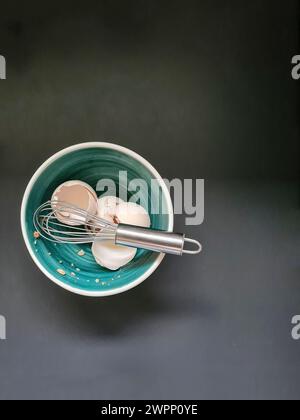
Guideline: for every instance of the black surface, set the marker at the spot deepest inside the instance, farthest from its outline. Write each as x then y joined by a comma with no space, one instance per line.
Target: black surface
201,90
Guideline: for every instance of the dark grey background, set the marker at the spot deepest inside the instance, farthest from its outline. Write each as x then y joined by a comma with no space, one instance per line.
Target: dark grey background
202,89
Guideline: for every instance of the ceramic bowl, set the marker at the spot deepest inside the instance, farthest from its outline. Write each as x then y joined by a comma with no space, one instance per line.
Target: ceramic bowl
90,162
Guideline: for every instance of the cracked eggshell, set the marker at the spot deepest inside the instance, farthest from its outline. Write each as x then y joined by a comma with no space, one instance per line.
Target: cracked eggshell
133,214
107,207
106,253
112,256
76,193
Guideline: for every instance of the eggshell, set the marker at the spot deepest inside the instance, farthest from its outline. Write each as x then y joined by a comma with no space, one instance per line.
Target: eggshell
107,207
112,256
78,194
106,253
133,214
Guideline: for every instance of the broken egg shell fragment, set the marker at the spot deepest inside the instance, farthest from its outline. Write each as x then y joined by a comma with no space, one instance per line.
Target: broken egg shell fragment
107,206
112,256
133,214
76,193
106,253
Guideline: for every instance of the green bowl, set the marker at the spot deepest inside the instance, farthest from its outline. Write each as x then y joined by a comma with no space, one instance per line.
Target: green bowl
91,162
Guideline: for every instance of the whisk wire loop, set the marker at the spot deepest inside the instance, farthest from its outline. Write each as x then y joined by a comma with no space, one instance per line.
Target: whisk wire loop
83,228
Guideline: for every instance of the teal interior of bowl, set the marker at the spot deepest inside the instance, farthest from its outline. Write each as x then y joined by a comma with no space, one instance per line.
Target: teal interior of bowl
90,165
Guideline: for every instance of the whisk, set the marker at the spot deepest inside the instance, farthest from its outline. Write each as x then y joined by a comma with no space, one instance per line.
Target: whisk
88,228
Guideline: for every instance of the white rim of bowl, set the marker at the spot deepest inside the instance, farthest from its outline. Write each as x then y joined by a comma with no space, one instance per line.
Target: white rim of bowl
102,145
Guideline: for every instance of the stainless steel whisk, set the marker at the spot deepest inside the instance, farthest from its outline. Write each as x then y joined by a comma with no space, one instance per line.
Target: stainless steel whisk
93,228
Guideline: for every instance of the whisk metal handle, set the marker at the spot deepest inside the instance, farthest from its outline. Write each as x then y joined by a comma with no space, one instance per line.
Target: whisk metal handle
154,240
